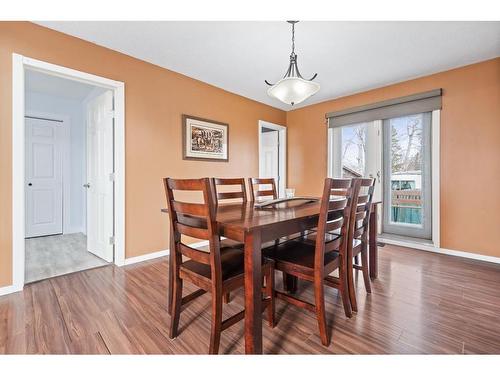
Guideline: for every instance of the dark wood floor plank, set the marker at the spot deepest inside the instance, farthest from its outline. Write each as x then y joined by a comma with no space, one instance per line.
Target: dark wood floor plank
421,303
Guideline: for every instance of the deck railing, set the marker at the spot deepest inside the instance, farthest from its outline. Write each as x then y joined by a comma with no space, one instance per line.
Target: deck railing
407,206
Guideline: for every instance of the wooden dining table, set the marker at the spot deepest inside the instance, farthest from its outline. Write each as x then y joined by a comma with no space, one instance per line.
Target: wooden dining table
253,227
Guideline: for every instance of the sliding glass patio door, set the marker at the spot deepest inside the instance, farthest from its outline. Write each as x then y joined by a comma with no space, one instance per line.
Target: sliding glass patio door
355,151
407,200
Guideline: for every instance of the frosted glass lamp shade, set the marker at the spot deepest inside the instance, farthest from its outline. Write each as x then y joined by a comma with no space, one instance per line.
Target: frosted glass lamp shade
293,90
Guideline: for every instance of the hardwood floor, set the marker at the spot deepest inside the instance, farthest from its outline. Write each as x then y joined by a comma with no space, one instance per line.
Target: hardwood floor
421,303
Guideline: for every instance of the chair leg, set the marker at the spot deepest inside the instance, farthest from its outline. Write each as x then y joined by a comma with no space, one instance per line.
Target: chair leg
366,272
350,285
176,306
216,323
344,292
290,283
271,309
227,297
319,297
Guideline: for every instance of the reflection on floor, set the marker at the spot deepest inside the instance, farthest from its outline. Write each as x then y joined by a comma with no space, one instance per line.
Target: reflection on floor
58,255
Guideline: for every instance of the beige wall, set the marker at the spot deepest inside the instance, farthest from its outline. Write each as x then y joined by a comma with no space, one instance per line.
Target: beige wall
470,150
155,99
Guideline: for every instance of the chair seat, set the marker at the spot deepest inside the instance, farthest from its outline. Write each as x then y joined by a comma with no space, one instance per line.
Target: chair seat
298,253
232,261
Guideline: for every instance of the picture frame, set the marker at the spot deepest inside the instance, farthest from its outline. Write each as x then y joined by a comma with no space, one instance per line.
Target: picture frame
204,139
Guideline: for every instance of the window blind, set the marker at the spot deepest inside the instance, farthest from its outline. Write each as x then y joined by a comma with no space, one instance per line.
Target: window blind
423,102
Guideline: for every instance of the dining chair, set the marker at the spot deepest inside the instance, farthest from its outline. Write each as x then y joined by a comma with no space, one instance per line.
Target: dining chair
314,262
216,268
358,233
240,192
270,191
255,185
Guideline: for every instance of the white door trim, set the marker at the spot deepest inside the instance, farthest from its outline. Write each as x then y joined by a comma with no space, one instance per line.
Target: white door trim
436,176
282,152
19,64
66,165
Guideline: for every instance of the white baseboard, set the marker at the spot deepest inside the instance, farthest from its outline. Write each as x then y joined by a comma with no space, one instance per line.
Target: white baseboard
143,258
440,250
10,289
158,254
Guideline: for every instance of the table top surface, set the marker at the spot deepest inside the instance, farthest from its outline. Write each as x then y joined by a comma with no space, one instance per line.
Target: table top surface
246,216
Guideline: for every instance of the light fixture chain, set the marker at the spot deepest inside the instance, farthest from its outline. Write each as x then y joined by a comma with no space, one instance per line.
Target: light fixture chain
293,38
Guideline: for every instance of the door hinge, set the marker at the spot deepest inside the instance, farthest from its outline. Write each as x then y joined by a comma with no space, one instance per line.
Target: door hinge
112,176
112,240
111,114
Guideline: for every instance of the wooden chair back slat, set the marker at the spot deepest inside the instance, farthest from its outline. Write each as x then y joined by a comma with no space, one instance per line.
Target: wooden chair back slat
193,209
360,215
337,204
229,195
195,254
241,193
331,226
199,233
255,185
333,245
362,199
185,184
359,232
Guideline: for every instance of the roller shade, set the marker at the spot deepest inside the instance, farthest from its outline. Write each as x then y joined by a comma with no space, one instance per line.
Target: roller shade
407,105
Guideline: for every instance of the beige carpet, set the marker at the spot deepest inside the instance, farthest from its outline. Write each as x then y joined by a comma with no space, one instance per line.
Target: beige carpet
58,255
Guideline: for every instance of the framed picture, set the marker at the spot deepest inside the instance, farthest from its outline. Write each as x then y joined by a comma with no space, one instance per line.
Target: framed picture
204,139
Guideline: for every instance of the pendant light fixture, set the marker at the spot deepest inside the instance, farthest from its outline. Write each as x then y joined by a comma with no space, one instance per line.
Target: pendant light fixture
292,88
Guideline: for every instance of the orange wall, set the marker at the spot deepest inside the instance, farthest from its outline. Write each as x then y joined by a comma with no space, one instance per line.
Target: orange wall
470,150
155,99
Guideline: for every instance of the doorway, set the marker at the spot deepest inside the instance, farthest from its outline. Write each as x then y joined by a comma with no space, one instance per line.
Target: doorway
402,154
407,171
68,163
68,204
272,154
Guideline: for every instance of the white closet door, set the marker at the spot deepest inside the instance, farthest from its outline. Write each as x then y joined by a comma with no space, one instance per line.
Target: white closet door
99,176
44,193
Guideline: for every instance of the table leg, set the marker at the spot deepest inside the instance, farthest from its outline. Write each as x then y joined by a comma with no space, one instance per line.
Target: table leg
253,293
373,250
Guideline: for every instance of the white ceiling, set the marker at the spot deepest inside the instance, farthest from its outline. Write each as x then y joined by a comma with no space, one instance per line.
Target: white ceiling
349,57
47,84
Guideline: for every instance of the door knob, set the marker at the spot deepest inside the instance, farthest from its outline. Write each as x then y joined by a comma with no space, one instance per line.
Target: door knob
30,184
86,186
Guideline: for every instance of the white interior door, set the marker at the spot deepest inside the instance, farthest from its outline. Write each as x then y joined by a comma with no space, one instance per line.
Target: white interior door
44,189
269,156
100,169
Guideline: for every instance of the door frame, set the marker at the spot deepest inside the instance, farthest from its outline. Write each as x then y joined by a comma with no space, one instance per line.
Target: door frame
66,165
21,63
282,151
